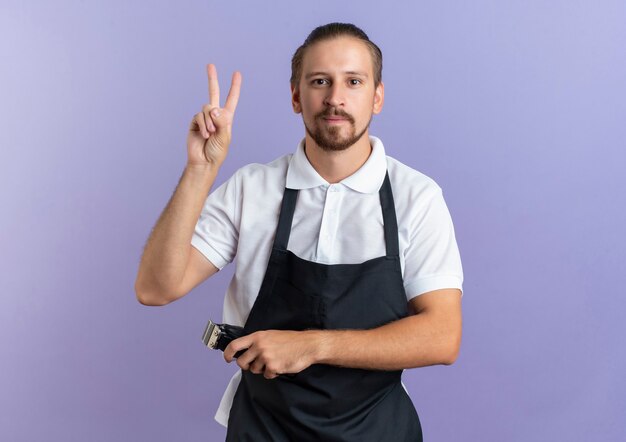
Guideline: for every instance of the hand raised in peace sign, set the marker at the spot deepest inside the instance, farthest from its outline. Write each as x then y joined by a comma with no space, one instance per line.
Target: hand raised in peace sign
210,130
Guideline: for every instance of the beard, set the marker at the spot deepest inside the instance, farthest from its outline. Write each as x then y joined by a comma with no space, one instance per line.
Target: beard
329,138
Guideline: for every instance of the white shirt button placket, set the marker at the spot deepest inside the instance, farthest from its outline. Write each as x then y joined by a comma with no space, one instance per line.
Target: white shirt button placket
328,228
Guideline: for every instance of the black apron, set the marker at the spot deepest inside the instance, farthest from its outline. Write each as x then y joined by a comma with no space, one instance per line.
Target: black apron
326,402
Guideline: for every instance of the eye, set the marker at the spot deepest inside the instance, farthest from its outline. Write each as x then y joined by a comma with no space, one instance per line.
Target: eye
357,80
317,80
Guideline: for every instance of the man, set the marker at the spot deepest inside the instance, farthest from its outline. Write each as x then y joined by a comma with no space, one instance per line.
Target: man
347,269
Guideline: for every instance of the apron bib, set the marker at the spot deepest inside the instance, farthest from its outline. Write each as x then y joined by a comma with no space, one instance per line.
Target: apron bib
326,402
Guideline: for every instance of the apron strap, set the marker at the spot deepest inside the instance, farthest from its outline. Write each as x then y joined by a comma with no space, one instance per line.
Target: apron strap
389,218
285,219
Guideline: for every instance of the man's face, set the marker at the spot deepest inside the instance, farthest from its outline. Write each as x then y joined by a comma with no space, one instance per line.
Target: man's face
336,93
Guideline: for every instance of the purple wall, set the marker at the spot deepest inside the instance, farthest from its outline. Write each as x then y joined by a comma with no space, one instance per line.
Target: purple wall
517,109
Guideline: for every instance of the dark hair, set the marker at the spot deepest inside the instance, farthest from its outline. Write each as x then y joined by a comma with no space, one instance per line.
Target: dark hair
328,32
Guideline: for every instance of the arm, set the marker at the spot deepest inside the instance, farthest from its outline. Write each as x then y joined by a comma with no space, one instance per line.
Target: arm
430,336
170,267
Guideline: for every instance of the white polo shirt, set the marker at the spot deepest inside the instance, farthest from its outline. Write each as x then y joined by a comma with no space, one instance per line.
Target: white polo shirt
338,223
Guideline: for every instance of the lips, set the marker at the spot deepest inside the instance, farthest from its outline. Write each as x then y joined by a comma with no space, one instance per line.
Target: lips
334,119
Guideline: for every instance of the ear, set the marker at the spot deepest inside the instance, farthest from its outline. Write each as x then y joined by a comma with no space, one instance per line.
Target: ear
379,98
295,99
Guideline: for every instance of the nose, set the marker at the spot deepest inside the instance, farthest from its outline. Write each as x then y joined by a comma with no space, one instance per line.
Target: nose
334,96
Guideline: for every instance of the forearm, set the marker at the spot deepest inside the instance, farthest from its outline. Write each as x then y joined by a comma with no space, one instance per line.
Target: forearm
167,250
415,341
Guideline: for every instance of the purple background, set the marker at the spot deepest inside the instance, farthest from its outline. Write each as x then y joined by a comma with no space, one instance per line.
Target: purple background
517,109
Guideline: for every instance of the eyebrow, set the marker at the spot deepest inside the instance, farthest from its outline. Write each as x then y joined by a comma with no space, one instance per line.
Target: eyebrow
312,74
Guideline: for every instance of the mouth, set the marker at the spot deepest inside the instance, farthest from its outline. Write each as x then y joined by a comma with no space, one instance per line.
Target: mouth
334,120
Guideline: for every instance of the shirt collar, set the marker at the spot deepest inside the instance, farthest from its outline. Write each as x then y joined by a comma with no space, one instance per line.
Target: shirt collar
367,179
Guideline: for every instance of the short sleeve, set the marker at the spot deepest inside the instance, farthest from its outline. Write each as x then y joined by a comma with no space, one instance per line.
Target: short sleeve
431,259
217,230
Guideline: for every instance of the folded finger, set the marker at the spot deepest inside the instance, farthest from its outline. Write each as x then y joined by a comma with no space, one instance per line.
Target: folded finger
257,367
206,111
247,359
269,374
199,122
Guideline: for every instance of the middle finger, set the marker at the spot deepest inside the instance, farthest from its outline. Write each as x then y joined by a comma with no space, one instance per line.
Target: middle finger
247,359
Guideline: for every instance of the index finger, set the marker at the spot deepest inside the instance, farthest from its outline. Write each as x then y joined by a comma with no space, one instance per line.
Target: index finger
233,93
214,88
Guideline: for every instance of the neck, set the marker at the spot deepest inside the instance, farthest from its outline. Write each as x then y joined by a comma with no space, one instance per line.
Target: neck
335,166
